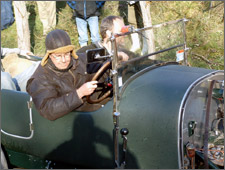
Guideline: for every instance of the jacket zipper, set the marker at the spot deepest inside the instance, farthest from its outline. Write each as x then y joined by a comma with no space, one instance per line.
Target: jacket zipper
74,80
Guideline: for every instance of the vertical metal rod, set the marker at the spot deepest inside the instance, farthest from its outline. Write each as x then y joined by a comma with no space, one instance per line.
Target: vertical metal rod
116,139
115,74
116,114
185,43
206,135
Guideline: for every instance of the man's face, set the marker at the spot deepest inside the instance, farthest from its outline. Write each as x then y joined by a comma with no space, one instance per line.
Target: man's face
118,24
61,60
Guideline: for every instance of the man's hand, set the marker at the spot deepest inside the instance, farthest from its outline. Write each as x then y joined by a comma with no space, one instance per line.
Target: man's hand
87,89
123,56
26,53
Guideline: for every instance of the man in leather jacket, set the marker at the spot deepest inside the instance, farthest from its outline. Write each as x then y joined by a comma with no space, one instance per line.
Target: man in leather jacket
60,84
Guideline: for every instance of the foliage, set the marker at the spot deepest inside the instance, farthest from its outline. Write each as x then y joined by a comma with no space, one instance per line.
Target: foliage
205,28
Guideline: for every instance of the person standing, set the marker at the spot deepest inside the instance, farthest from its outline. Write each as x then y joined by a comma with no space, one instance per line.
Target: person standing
87,13
47,14
135,19
7,17
22,25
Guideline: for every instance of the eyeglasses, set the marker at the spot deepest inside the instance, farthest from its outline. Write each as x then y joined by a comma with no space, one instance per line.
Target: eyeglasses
60,56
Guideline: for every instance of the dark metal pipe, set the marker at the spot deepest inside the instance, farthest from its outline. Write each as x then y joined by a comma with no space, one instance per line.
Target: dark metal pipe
116,114
116,139
206,135
210,163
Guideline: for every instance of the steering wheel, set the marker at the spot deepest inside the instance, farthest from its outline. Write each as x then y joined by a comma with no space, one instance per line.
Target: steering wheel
105,87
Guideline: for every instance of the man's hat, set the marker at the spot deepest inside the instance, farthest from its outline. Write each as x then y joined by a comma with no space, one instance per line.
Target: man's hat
58,41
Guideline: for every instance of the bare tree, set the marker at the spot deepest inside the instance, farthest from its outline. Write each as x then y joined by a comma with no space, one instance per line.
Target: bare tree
22,26
148,43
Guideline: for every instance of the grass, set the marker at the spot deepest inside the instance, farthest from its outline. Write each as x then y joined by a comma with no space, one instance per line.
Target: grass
205,28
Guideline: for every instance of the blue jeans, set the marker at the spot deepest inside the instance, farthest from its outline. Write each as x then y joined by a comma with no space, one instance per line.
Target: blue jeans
7,81
23,77
19,82
83,31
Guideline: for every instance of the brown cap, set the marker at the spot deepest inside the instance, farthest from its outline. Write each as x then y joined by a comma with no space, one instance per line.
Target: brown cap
58,41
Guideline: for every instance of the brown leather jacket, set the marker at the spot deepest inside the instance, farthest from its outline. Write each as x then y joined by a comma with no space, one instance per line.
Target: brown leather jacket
54,92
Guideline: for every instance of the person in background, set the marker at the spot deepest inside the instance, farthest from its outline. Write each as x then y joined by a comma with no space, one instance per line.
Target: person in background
86,14
110,25
7,82
5,51
47,14
135,19
7,17
60,84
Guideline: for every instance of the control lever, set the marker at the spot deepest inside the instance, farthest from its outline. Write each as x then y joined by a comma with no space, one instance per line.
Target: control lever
124,132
